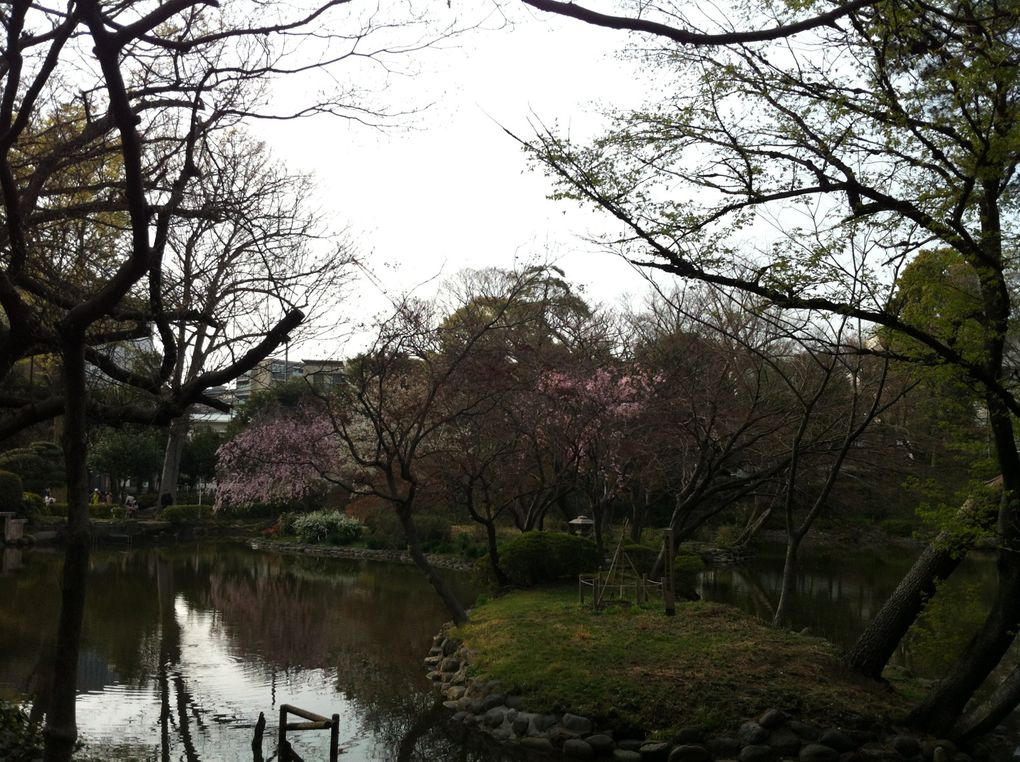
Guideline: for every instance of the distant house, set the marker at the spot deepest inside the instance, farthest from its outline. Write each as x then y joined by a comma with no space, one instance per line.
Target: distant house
269,372
322,374
205,417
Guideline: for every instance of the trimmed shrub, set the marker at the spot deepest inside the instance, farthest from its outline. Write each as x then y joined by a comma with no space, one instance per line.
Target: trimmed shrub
10,492
33,505
100,510
58,509
688,564
536,558
330,527
40,465
148,500
186,514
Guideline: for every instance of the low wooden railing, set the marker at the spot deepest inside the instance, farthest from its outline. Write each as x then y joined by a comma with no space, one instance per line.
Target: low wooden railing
314,722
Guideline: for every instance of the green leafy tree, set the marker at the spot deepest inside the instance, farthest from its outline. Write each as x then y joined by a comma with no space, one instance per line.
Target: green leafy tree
198,461
132,452
869,132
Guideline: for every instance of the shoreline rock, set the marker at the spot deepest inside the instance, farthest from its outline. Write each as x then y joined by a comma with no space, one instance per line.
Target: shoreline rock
358,554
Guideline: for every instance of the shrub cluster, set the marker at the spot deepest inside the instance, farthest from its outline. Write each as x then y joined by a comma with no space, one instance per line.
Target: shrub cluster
536,558
186,514
329,527
33,505
688,564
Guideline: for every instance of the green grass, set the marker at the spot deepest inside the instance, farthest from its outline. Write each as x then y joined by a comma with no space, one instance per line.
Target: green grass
709,666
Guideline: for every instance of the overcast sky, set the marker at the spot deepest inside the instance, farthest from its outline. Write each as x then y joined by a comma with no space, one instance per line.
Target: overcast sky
448,189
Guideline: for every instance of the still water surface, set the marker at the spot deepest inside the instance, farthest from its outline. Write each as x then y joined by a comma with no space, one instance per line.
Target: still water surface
184,646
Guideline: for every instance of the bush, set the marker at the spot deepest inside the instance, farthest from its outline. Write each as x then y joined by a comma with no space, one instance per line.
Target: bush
186,514
329,527
58,509
40,465
10,492
32,505
384,529
20,740
100,510
540,557
148,500
688,564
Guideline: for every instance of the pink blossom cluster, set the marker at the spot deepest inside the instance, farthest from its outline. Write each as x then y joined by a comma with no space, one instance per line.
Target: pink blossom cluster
277,460
589,412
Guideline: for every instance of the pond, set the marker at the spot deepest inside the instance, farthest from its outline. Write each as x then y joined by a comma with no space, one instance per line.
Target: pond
838,594
184,645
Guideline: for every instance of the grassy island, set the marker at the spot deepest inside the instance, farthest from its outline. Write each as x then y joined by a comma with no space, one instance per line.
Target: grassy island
709,666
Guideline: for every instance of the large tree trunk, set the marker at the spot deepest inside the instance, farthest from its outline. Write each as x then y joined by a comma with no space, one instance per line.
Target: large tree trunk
60,731
993,710
875,646
440,585
177,437
943,706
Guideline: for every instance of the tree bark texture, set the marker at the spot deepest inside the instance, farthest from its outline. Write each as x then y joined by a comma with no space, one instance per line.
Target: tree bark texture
874,647
177,437
943,706
60,731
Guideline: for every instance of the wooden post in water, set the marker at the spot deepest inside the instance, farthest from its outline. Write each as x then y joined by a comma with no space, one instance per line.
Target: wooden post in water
668,590
256,742
334,739
281,739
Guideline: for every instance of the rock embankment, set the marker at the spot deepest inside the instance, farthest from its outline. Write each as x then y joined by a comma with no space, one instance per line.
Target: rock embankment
771,737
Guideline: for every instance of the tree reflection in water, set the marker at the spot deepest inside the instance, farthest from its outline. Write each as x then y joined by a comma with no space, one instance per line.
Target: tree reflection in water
184,646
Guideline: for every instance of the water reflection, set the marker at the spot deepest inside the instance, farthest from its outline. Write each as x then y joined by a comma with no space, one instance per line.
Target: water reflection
836,596
183,647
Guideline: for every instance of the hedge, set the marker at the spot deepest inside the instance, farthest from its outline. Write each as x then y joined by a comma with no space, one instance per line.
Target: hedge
536,558
10,492
186,514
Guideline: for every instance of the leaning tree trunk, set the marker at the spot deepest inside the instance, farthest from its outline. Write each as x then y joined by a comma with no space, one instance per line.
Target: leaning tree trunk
989,713
944,704
874,647
440,585
177,437
61,732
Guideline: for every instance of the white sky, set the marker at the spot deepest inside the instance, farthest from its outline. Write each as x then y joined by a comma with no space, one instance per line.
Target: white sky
450,189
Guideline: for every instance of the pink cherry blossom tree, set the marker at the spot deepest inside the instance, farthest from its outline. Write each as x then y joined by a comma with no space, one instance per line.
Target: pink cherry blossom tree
278,459
593,420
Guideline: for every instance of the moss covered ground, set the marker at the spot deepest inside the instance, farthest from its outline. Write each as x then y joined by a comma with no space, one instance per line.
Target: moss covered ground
709,666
